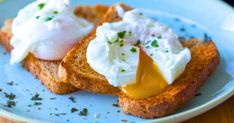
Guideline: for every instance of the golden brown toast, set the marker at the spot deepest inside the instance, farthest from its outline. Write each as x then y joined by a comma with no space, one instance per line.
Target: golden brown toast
46,71
205,57
75,69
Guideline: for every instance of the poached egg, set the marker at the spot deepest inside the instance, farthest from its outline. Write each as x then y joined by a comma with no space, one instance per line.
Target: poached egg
137,54
47,29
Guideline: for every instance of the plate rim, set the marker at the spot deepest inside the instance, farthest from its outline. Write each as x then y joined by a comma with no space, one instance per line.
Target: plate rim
181,116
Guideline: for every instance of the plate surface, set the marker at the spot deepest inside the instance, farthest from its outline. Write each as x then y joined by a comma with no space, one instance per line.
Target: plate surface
186,20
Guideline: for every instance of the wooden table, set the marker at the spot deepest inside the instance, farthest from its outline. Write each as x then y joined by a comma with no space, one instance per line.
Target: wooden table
223,113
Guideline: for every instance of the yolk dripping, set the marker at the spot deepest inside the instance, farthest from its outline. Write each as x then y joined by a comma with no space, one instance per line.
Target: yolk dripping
149,80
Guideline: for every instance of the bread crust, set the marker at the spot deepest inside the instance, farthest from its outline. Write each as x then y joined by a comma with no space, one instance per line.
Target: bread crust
46,71
205,57
75,69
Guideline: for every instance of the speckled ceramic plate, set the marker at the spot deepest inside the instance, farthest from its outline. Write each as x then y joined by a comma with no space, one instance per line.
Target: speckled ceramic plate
189,18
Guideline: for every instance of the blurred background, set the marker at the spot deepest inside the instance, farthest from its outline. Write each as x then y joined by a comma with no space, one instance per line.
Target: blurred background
231,2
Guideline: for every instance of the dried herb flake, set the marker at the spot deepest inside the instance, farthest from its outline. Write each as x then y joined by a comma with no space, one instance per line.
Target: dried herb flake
84,112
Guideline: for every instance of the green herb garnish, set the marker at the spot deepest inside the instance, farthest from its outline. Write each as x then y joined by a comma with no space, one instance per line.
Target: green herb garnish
122,70
10,96
121,44
10,83
133,50
53,98
37,103
55,12
72,99
36,97
49,18
109,42
129,33
115,105
160,36
74,110
84,112
121,34
10,104
154,43
41,6
37,17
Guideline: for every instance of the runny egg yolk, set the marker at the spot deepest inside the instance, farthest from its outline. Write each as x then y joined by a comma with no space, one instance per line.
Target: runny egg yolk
149,80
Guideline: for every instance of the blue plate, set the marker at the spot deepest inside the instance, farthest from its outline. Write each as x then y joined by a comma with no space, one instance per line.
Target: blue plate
189,18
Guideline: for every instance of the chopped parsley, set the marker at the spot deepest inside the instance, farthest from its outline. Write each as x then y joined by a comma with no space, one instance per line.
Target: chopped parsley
160,36
121,43
37,17
133,50
37,103
122,56
182,29
10,104
60,114
36,97
121,34
74,110
109,42
49,18
53,98
206,37
129,33
41,6
84,112
10,83
115,105
10,96
55,12
72,99
154,43
122,70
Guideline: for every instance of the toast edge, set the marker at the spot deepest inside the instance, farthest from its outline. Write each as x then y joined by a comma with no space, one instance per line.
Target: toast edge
157,108
64,88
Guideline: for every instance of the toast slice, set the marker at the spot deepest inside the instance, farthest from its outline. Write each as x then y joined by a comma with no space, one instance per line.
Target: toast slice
75,69
205,57
46,71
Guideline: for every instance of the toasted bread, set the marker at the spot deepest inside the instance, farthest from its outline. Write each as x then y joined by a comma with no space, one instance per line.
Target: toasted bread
75,69
46,71
205,57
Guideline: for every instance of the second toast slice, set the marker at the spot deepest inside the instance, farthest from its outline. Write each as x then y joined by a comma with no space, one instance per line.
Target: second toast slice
205,57
46,71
